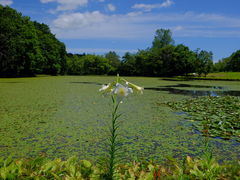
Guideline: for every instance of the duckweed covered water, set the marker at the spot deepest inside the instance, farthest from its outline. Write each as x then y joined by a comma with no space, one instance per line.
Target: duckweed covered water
65,116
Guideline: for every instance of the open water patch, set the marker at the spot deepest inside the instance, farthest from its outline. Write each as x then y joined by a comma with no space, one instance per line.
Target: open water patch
214,90
85,82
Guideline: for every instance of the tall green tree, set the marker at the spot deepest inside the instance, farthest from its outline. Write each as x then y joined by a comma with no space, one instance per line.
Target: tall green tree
221,65
146,64
128,64
20,49
204,62
162,38
53,51
234,62
75,64
168,56
186,60
94,64
114,60
28,47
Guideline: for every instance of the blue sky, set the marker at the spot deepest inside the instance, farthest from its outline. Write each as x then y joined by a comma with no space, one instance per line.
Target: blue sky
98,26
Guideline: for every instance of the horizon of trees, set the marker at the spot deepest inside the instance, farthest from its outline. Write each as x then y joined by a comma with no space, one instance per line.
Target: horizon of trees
28,48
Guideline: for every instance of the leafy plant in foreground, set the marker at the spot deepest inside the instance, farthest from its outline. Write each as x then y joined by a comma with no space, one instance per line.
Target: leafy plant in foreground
74,169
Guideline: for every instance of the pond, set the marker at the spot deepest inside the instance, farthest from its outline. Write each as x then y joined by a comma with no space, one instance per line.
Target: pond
212,90
65,116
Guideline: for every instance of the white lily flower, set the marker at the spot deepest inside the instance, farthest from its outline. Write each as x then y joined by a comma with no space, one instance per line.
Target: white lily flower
122,91
106,88
118,90
137,88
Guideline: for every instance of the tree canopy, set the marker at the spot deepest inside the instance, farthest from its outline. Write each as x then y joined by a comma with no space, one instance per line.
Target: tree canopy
28,47
163,37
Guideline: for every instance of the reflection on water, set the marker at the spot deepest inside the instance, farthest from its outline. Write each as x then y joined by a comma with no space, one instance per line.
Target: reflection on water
94,83
11,82
195,93
195,86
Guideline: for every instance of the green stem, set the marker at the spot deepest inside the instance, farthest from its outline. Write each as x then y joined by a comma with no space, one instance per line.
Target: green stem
113,137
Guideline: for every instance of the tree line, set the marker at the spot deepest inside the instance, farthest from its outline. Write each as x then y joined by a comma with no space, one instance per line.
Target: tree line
28,48
231,63
162,59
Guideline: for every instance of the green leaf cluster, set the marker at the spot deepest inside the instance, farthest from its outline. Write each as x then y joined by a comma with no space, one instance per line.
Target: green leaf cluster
42,168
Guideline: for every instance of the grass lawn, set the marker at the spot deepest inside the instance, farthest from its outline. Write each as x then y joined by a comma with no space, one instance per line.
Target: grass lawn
66,115
223,76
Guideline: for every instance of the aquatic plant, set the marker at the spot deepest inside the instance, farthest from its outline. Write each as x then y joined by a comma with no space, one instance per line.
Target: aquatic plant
219,114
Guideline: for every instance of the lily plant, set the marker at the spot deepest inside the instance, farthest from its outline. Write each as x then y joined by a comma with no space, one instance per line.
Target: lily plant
118,90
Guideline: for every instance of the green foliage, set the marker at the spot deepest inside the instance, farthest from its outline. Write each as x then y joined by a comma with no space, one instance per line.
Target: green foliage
219,116
230,64
42,168
204,62
220,66
52,50
28,47
88,65
163,37
114,61
19,42
165,59
234,62
128,65
162,59
186,60
72,168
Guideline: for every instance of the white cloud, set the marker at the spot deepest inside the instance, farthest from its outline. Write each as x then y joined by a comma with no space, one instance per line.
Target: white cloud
111,7
79,20
132,14
135,25
98,25
149,7
46,1
178,28
67,4
6,2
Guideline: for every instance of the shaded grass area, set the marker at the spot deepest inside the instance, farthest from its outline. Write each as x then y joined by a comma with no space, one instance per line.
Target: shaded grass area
65,116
